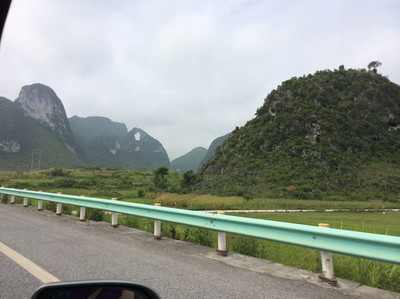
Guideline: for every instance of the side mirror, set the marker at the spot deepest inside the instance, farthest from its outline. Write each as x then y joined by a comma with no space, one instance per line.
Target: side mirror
95,289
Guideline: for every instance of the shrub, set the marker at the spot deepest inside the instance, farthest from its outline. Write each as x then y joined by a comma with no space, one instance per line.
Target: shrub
58,172
95,214
51,206
243,245
197,236
4,198
140,193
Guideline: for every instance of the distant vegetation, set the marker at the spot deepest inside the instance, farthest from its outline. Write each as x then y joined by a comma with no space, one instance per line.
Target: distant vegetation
331,136
163,186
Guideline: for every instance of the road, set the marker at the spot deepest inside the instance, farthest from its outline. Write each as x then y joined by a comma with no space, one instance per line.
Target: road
73,250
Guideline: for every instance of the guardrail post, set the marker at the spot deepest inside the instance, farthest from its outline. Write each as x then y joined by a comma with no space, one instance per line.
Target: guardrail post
25,200
222,250
12,199
58,211
82,214
327,264
59,206
157,226
40,205
114,217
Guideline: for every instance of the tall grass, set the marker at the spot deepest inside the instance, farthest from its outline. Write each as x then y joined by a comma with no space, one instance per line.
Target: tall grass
213,202
199,202
367,272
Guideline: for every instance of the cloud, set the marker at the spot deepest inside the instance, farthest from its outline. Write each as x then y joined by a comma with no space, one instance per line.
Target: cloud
187,72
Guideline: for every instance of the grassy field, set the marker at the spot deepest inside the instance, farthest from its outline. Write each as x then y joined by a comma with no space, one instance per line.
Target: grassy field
387,223
137,186
213,202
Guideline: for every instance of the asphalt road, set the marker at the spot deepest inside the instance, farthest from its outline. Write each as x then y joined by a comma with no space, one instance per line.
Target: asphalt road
72,250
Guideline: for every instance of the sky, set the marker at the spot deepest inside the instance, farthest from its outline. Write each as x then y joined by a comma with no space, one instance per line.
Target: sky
184,71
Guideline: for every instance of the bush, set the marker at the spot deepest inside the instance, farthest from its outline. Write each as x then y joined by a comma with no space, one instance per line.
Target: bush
51,206
243,245
197,236
95,214
4,198
66,209
140,193
58,172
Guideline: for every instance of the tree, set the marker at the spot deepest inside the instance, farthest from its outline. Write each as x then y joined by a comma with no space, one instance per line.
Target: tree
373,65
189,178
160,182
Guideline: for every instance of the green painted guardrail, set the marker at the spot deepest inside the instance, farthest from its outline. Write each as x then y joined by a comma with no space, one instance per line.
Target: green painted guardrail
365,245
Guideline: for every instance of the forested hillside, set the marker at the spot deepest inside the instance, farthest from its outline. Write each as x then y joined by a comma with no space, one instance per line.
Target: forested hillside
328,135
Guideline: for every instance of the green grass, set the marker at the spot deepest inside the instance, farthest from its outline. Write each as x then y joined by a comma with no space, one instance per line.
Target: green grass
213,202
387,223
303,204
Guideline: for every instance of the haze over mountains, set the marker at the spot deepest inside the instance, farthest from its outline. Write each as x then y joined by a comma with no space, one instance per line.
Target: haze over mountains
35,133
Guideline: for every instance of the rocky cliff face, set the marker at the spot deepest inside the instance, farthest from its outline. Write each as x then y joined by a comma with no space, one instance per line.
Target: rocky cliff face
41,103
9,145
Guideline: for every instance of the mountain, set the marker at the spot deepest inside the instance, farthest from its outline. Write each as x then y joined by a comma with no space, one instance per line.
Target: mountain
145,151
198,156
109,144
90,127
12,126
40,102
189,161
99,137
212,148
35,133
330,135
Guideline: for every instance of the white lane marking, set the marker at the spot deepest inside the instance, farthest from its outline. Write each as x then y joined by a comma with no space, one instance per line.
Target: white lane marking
29,266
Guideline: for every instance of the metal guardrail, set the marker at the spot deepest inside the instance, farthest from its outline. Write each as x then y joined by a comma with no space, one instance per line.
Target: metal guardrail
365,245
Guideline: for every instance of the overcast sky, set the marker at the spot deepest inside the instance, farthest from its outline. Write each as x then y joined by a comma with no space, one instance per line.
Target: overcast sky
186,71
